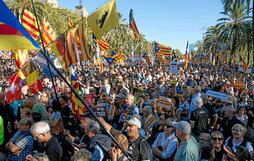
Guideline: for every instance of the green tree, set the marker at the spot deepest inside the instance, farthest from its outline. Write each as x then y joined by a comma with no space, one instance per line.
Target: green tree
230,3
18,7
232,27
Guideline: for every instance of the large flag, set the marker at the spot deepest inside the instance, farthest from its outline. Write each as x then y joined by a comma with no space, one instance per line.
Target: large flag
104,19
14,89
30,24
12,34
146,57
42,61
48,34
33,82
31,75
76,103
162,49
20,57
59,49
133,26
114,59
103,44
244,64
80,42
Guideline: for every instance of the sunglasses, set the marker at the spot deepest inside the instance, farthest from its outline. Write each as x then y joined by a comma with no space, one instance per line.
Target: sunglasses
214,139
168,126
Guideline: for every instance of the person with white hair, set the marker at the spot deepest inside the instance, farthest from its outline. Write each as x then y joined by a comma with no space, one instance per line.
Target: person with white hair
47,142
197,95
228,121
199,118
99,144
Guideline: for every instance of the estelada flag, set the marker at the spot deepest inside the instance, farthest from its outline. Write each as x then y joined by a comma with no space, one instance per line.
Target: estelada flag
104,19
14,89
133,25
12,34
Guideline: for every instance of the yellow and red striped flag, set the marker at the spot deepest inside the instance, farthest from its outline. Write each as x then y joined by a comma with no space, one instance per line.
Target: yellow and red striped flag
133,26
103,44
162,49
29,23
20,57
77,106
48,34
245,66
80,42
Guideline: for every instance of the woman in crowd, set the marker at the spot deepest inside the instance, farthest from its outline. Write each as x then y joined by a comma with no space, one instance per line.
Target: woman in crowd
165,145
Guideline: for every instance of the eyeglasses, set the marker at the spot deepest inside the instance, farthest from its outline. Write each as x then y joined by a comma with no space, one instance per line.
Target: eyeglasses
168,126
214,139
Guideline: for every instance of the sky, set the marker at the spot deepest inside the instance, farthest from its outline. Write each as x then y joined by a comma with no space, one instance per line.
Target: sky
169,22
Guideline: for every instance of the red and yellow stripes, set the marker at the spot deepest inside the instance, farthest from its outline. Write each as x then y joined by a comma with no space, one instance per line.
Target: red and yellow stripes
29,23
48,34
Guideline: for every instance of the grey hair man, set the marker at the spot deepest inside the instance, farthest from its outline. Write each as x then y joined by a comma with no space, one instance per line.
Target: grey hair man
189,147
41,132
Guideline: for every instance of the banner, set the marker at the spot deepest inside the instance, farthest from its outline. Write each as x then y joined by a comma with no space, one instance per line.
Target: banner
222,96
150,120
165,102
173,68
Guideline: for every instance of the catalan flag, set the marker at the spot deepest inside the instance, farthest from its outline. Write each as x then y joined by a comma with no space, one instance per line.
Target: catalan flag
133,25
59,49
162,49
29,22
238,84
161,59
80,42
12,34
20,57
76,103
48,34
244,64
146,57
104,19
114,59
103,44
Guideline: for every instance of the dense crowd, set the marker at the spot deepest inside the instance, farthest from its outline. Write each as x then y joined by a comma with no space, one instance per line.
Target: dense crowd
128,102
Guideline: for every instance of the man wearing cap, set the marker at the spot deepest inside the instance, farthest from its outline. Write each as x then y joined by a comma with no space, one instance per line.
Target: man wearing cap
189,148
139,149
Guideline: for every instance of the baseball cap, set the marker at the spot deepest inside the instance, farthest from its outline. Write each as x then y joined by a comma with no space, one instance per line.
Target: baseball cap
122,96
134,121
183,126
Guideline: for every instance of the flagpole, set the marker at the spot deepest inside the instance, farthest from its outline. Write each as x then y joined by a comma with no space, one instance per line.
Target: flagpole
79,97
44,50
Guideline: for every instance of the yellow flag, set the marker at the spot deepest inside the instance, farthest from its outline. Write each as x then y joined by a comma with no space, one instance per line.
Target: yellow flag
104,19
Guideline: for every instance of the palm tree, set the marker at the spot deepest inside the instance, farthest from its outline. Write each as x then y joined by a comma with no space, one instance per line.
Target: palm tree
232,27
229,3
211,41
18,7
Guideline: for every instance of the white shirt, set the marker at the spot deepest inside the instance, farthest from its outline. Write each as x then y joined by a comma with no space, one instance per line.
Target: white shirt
170,148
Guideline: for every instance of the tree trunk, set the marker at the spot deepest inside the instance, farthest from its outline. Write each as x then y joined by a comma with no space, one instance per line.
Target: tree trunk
233,48
253,34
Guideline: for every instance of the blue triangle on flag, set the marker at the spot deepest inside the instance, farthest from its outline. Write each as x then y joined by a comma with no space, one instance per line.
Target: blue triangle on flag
109,60
113,53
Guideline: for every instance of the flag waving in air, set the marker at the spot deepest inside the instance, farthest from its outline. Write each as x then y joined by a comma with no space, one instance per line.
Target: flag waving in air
162,49
146,57
102,43
29,22
14,89
245,66
12,34
133,25
104,19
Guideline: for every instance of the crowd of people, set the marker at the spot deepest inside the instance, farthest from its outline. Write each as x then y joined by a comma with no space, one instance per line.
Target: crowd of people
128,102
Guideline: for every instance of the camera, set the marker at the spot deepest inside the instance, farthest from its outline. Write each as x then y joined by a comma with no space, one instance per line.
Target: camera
160,148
